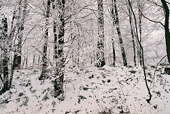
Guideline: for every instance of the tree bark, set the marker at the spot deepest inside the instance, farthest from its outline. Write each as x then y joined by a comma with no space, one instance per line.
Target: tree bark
167,34
100,43
133,35
44,56
20,28
114,53
140,31
5,55
113,45
142,54
59,57
116,18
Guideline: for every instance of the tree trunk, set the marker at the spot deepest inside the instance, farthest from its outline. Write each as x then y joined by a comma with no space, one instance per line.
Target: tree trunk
20,28
100,43
133,36
142,54
116,18
59,58
44,57
55,39
140,31
167,34
113,45
114,53
5,55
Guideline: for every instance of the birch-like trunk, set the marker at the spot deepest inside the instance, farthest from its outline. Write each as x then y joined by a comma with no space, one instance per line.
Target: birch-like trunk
100,43
113,43
139,53
5,55
142,53
20,28
44,56
116,18
59,55
133,35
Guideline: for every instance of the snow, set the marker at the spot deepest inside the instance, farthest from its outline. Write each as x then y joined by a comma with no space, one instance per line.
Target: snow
113,90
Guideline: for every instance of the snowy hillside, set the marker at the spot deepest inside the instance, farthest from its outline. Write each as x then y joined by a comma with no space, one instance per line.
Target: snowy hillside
107,90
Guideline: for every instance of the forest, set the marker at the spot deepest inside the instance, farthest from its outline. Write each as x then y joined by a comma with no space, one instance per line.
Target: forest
84,57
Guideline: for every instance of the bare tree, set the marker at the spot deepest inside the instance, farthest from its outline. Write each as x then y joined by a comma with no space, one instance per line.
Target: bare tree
100,43
165,25
59,52
116,21
22,11
132,33
140,8
5,55
113,44
9,49
142,53
44,56
166,28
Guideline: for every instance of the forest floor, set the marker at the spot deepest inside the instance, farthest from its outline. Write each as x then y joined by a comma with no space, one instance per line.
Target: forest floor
107,90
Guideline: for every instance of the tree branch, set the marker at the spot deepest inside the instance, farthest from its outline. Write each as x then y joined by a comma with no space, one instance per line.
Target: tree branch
155,3
151,19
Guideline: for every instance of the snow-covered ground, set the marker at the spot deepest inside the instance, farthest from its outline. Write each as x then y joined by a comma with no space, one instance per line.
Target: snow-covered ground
107,90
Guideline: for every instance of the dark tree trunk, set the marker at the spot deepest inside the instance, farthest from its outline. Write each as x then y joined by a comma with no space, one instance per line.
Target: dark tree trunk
114,53
116,18
59,57
113,45
142,54
12,71
167,34
55,39
140,31
133,36
100,43
5,54
44,57
137,33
